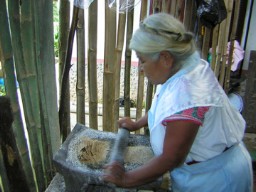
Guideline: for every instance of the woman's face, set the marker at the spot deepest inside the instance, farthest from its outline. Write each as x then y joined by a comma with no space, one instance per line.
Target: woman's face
156,70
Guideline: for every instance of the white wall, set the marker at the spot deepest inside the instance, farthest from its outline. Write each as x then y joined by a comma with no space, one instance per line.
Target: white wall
249,42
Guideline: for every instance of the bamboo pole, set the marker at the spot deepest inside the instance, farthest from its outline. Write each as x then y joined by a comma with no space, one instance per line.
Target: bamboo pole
188,15
64,107
215,35
179,12
92,66
220,48
109,70
46,145
218,52
173,7
128,53
64,30
31,94
10,83
118,60
151,9
166,6
64,20
50,89
206,43
141,76
232,40
48,92
229,5
80,86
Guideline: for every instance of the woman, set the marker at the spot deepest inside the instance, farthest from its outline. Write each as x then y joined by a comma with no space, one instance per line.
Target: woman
195,133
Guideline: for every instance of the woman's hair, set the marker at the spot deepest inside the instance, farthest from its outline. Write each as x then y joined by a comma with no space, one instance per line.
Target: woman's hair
162,32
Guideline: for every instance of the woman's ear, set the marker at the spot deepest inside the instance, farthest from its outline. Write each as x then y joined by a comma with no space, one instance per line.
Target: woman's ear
167,58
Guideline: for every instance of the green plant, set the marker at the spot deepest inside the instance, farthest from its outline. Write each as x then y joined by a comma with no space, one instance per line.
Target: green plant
56,40
56,28
2,90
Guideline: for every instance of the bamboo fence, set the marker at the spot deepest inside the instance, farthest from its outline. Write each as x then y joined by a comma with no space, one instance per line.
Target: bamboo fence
27,48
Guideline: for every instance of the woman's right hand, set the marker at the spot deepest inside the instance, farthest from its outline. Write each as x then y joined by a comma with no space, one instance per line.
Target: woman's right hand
128,123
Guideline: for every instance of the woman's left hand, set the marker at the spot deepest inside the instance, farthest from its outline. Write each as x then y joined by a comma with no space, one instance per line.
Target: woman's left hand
114,173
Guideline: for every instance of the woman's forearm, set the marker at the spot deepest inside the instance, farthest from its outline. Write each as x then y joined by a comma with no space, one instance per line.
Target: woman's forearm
142,122
148,172
178,140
